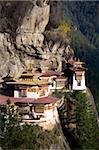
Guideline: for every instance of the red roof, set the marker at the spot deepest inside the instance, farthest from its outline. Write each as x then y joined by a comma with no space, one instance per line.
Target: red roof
71,61
3,99
49,74
44,85
43,100
61,77
77,69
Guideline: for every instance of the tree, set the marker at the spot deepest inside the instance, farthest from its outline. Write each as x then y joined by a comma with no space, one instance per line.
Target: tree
87,129
16,136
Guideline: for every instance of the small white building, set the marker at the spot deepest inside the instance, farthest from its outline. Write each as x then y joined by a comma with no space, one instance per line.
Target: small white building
79,80
78,70
34,91
56,81
30,86
41,111
32,96
37,85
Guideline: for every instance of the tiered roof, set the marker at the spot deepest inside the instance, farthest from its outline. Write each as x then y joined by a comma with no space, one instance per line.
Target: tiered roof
29,78
44,100
74,69
76,65
61,78
34,82
50,73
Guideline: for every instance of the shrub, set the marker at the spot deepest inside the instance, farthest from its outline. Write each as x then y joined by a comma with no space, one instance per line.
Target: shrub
64,28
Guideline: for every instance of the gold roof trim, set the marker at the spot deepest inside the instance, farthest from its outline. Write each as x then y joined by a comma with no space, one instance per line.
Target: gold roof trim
33,82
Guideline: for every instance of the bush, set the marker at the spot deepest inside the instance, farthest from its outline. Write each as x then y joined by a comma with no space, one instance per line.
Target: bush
14,136
29,137
64,29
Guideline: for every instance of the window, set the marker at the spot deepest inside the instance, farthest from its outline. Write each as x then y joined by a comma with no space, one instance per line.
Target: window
42,92
52,84
60,83
78,83
23,93
31,89
78,76
23,110
39,108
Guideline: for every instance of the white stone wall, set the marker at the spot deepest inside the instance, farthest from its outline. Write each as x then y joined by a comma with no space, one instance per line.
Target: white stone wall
50,80
48,121
46,93
82,86
16,93
52,118
32,95
48,114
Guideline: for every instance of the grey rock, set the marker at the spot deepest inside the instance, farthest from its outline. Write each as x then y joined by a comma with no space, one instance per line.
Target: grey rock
22,38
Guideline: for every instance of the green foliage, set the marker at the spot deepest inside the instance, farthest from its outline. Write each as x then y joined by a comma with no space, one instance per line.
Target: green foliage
8,117
14,136
48,34
79,42
95,40
64,29
59,94
85,39
97,106
60,33
87,52
29,137
87,129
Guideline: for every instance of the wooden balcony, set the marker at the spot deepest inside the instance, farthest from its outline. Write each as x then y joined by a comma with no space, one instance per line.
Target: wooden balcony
41,120
23,110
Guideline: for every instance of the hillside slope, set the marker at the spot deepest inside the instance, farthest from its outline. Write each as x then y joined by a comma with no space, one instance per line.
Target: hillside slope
83,17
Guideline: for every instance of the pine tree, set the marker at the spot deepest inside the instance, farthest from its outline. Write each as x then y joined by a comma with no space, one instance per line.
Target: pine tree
87,129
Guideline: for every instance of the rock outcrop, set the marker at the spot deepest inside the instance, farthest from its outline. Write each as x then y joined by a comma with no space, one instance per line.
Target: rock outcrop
22,26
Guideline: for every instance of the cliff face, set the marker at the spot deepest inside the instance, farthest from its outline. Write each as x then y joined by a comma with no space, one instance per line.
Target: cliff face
22,26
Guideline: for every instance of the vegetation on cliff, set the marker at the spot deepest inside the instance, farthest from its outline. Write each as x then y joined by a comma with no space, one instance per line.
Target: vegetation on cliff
29,137
14,136
85,136
83,16
78,110
87,133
